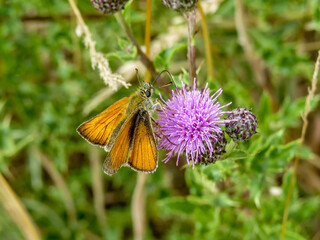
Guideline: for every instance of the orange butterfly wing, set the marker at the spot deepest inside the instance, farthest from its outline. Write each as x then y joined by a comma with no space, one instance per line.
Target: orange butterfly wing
122,146
99,129
144,155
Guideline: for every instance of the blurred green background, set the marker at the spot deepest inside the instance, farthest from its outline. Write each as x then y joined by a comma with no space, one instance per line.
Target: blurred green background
48,88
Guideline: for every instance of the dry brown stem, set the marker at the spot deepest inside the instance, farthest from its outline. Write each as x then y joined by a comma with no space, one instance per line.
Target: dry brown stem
98,61
16,211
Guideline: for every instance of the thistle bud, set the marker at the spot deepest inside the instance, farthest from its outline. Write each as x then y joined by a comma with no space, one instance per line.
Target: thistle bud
109,6
243,126
219,148
180,5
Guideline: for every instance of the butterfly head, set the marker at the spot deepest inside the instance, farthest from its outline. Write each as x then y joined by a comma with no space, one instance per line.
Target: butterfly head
146,89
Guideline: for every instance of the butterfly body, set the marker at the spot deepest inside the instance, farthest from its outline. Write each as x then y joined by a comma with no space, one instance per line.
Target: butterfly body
125,131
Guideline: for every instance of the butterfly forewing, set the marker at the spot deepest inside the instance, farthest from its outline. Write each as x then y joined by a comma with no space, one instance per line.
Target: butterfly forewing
144,155
121,149
99,129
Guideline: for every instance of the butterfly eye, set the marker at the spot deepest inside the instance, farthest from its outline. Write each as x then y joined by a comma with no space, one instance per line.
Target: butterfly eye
148,93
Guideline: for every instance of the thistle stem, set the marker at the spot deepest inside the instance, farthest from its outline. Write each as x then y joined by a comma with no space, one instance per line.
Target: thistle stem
143,57
191,20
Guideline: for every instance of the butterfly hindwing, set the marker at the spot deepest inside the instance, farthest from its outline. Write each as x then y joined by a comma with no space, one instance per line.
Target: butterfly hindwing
99,129
135,145
144,154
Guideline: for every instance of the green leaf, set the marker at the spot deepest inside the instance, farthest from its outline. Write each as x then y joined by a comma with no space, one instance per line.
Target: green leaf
127,53
281,155
184,206
164,58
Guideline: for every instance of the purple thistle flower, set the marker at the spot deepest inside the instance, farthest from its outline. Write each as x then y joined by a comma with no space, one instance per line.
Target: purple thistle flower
190,123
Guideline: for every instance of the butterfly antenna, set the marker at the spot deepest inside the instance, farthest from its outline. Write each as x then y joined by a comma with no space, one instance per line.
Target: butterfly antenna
137,73
166,85
161,74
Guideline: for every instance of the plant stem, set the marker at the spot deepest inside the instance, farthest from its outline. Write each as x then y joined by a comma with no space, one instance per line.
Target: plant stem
302,137
143,57
257,64
16,211
138,211
191,20
206,39
77,12
147,36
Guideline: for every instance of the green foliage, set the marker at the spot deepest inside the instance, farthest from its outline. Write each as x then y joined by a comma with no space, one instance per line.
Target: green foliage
164,59
47,79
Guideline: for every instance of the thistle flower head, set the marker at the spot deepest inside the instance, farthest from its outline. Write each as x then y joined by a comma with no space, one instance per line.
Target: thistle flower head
109,6
243,126
180,5
190,123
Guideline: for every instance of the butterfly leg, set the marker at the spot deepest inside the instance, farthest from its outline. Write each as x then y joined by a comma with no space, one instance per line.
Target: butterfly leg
158,127
160,105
